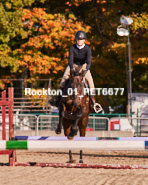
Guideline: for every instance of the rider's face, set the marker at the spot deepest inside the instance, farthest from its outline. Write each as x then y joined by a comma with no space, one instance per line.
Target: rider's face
80,42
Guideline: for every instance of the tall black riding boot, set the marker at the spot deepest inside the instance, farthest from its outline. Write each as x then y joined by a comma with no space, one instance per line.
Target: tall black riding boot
56,100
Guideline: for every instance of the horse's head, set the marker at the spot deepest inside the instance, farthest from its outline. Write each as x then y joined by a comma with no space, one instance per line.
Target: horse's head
77,85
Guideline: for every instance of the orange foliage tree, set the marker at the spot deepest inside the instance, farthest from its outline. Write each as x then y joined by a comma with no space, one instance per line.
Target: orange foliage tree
46,51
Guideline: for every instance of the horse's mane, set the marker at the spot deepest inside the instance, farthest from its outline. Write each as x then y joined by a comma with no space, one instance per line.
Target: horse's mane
69,84
76,73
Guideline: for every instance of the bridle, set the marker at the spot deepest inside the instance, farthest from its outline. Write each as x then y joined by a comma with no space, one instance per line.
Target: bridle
74,77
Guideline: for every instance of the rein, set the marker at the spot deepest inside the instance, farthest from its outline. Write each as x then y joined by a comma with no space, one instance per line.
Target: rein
77,93
76,77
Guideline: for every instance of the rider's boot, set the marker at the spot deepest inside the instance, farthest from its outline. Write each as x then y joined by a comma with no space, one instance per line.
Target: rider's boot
56,101
94,107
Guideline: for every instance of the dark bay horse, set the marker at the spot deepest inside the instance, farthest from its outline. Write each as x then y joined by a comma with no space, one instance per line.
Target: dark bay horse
74,107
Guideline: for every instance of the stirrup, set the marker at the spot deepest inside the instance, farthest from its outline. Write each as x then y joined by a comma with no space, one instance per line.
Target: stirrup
52,102
95,107
55,101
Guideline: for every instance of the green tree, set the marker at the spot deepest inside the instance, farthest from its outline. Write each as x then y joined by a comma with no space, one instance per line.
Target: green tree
12,35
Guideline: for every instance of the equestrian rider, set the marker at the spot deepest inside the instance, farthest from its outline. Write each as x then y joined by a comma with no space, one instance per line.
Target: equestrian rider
79,58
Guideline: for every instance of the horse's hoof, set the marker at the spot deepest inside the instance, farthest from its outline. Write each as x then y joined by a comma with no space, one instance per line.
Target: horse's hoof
81,161
70,137
73,131
58,131
71,161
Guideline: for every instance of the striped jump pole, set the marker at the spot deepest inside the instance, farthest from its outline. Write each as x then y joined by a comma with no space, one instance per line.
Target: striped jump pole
76,138
73,144
54,138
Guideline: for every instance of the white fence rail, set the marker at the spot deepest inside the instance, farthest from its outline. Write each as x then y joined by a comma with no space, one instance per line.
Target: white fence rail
51,122
136,126
100,123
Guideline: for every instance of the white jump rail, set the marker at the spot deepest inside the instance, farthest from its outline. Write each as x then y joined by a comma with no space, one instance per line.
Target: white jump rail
74,145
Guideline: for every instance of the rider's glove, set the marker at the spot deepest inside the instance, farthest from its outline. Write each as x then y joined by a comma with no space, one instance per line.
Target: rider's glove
72,70
84,72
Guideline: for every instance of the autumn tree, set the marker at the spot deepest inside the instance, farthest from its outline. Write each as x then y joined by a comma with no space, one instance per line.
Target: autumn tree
34,40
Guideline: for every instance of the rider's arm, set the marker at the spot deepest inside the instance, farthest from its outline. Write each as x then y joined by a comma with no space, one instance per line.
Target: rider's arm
88,58
70,59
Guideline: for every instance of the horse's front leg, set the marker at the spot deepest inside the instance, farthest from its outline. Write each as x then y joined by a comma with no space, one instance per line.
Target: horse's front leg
83,125
58,129
74,128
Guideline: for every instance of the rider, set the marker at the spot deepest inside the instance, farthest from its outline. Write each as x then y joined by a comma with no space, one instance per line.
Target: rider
79,58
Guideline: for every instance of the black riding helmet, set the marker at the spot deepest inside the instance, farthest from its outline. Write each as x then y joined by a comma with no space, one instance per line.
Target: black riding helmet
80,35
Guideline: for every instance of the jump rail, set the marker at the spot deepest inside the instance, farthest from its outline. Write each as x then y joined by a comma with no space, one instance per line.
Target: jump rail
74,145
79,165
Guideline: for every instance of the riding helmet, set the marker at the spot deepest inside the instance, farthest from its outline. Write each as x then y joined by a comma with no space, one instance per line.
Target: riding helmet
80,35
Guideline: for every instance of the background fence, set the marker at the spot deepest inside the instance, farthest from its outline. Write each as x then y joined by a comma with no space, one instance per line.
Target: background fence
21,121
96,122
